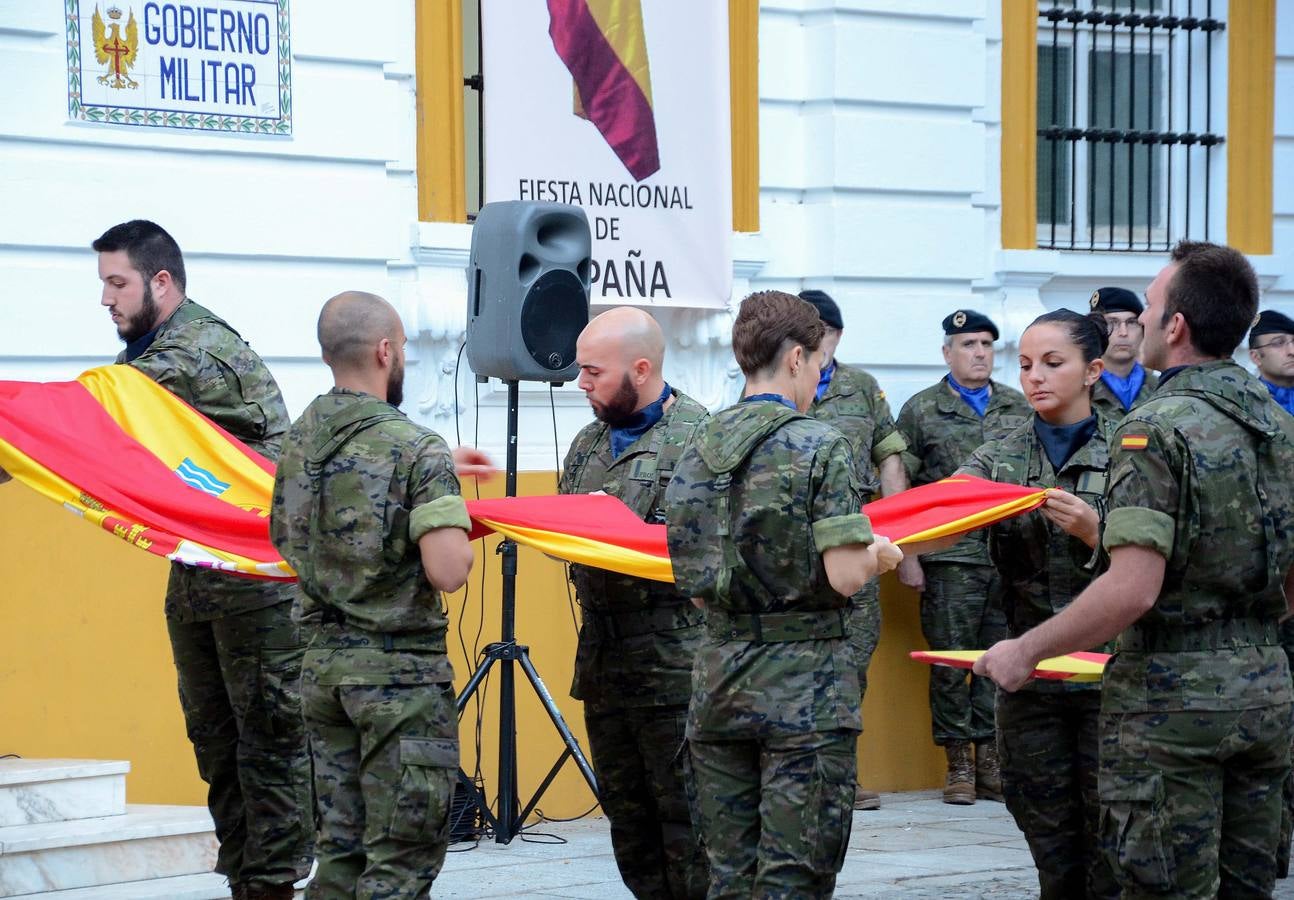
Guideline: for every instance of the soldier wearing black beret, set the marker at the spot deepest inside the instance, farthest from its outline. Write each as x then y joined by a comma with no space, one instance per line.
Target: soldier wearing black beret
1271,347
1125,383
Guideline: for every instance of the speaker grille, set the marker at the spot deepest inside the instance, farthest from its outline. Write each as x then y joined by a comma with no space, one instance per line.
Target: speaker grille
553,314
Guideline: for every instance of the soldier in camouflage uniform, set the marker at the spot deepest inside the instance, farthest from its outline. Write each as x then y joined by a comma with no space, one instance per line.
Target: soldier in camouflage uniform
1048,732
961,596
1125,383
633,665
1196,704
852,401
765,532
1271,349
237,651
367,510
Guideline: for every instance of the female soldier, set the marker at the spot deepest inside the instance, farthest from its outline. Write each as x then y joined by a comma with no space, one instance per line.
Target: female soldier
765,532
1047,732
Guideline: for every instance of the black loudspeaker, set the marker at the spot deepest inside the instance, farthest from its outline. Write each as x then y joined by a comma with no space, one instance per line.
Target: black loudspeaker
527,290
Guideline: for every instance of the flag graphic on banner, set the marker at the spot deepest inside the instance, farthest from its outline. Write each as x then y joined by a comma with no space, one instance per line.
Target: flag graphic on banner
604,47
131,457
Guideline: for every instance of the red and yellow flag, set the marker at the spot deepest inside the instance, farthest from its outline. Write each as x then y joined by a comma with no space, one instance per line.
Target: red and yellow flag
134,459
1081,666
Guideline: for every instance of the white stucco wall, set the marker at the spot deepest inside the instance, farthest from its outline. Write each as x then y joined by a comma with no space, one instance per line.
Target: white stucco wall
879,131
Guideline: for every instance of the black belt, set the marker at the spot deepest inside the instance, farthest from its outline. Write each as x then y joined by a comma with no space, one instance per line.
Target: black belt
776,628
637,622
335,631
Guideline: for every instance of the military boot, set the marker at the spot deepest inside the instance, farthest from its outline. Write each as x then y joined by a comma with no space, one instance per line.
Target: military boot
988,771
269,891
865,799
959,788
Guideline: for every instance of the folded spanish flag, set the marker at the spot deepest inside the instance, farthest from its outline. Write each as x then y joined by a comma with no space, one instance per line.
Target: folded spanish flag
131,457
1082,666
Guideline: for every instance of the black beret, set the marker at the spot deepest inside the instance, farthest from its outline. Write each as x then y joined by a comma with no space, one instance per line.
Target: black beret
1116,299
828,311
1270,321
967,321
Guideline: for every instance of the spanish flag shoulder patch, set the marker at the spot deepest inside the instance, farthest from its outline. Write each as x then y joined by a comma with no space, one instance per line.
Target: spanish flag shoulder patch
1134,442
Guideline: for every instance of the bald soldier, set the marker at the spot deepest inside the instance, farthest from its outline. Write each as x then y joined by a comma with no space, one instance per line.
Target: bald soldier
367,509
633,666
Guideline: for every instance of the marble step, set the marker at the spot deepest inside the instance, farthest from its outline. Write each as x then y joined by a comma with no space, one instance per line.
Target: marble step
179,887
146,842
34,791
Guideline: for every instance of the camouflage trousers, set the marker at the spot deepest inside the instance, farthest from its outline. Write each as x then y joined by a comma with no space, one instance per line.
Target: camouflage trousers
385,762
1048,744
1287,811
638,757
961,609
774,814
238,680
1191,801
865,629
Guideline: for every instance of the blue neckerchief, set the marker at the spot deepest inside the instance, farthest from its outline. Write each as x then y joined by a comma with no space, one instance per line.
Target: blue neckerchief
1168,373
1284,396
135,349
824,381
976,398
776,398
1126,389
638,424
1061,441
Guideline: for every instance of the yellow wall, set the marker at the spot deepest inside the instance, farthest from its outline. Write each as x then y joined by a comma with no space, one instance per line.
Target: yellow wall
85,667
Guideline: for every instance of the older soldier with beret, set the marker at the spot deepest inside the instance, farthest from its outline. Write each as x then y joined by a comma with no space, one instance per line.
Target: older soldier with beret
1271,347
1125,381
851,400
961,597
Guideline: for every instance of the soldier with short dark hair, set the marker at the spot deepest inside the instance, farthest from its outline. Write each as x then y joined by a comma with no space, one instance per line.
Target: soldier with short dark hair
850,399
1196,703
237,651
961,591
633,663
367,509
1124,382
766,533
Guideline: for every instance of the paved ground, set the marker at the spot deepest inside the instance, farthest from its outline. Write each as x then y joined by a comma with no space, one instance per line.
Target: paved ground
914,846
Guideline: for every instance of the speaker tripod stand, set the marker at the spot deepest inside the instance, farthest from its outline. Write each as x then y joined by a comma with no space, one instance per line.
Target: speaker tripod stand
507,653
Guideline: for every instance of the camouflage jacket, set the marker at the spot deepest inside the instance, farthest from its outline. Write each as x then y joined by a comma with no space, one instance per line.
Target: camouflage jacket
638,636
759,496
1043,569
942,431
1104,399
357,485
1201,474
855,404
198,357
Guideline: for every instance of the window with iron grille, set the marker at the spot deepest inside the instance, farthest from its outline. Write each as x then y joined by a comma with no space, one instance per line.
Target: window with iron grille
1128,136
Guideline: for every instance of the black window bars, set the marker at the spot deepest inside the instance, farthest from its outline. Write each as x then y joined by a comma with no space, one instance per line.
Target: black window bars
1115,81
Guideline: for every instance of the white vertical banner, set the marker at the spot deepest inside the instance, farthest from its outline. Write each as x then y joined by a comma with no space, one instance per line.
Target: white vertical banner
620,107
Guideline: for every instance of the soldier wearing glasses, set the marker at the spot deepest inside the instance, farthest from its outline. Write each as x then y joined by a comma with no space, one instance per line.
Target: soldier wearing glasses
1125,383
1271,347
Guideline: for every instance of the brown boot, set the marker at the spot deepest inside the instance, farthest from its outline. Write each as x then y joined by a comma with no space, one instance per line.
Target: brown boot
270,891
959,789
988,772
865,799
